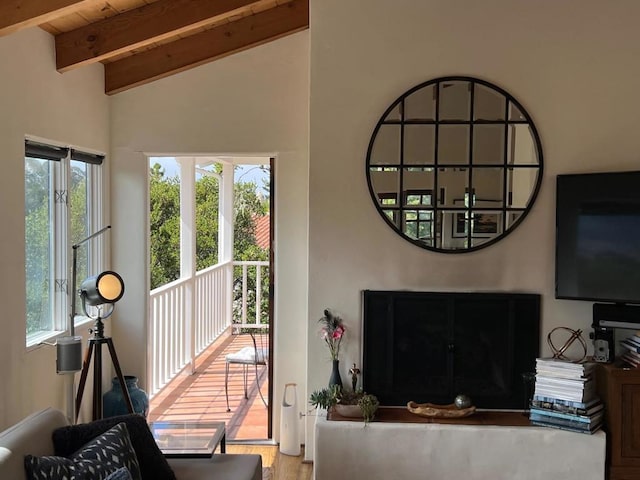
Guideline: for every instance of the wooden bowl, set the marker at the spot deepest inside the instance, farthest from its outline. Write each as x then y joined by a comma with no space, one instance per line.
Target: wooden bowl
439,411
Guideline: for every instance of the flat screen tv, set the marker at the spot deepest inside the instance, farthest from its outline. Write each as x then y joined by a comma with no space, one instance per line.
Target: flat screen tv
598,237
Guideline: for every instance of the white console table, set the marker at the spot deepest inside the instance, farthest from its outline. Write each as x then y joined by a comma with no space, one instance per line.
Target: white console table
349,450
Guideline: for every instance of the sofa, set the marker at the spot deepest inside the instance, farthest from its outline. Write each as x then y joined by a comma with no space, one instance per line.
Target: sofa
34,436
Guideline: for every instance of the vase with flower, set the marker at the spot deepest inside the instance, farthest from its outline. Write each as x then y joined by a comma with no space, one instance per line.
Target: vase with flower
331,332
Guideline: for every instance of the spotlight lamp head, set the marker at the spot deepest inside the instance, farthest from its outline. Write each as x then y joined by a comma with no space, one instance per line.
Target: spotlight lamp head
107,287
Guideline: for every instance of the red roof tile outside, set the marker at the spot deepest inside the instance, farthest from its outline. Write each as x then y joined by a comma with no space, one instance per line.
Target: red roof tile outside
263,231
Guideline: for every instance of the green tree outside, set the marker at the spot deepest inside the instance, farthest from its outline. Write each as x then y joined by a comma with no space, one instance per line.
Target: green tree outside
165,233
38,233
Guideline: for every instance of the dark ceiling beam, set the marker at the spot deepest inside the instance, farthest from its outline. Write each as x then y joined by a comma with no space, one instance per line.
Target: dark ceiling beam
139,28
18,14
207,46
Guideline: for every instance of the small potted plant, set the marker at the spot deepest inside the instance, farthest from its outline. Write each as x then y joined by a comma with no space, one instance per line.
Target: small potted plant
368,406
346,403
325,398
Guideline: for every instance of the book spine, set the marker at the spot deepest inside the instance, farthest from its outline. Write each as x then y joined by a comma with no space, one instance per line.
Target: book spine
629,345
563,383
556,364
569,382
563,394
563,427
538,412
564,421
631,360
632,354
564,375
561,408
633,340
558,401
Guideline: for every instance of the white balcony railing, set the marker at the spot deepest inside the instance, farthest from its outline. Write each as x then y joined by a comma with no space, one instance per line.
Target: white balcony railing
188,315
241,311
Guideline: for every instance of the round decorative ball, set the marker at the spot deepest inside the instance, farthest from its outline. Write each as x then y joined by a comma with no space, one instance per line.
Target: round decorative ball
462,401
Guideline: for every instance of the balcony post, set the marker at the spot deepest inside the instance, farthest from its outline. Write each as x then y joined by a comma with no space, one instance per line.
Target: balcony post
188,251
225,235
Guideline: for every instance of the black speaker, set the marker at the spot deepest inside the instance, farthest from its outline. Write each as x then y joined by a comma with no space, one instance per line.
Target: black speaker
69,350
611,315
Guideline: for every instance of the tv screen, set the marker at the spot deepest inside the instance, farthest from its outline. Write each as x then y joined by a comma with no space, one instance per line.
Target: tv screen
598,237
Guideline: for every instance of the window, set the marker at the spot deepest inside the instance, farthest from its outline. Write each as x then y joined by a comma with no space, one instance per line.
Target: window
62,205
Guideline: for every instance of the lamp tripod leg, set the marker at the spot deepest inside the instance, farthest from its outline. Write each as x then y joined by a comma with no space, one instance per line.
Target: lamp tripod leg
83,378
97,376
97,382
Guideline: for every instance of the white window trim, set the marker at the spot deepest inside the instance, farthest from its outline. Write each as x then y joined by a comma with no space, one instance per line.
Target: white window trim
98,251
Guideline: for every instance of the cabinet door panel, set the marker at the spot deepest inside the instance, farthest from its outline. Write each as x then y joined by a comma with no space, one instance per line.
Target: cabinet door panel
631,423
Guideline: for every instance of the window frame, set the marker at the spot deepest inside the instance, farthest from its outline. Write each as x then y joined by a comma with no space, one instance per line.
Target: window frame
60,240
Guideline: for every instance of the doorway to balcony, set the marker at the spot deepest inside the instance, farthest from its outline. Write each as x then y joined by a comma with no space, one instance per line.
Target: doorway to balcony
211,285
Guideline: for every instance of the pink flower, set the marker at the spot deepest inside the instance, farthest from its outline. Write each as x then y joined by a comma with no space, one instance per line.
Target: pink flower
332,332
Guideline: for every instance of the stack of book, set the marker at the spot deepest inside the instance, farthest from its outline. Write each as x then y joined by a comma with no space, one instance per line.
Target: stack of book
632,352
565,396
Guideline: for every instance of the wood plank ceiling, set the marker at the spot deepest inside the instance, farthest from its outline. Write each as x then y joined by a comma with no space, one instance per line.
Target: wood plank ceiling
140,41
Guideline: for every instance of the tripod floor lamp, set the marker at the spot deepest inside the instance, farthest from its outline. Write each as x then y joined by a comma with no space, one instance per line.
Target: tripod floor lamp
101,291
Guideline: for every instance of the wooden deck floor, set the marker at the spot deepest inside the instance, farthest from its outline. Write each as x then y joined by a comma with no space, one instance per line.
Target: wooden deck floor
201,396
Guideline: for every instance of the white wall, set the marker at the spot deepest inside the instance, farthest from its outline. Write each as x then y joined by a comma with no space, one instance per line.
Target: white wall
552,56
253,102
70,108
572,65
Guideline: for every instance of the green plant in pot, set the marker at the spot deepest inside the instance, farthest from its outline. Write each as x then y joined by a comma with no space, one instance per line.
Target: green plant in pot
368,406
325,398
346,403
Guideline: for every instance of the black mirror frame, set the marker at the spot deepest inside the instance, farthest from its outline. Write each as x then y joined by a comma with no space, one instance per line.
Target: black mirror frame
509,100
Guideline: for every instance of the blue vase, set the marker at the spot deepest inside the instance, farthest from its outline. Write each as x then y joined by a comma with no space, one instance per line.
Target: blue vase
113,401
335,378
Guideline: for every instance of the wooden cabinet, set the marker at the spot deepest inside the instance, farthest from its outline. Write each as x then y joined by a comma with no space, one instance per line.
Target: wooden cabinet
619,388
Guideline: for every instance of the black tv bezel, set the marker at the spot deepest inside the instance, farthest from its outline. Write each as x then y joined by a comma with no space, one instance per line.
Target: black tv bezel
620,301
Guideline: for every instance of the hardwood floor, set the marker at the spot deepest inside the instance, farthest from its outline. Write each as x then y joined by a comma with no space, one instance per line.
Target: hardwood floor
201,396
285,466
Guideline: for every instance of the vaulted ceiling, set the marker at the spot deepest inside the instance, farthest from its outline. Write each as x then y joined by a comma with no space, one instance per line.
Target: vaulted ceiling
139,41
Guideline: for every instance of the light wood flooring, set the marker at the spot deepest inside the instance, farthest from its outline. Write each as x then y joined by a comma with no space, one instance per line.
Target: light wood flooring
285,467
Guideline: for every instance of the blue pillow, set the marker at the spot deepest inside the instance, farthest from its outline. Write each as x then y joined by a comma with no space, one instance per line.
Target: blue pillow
96,460
120,474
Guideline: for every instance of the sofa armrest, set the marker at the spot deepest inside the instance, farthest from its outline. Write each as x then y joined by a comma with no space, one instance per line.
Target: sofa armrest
31,435
220,466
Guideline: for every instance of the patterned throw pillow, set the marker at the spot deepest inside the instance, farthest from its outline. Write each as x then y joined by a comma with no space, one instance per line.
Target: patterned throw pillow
153,465
96,460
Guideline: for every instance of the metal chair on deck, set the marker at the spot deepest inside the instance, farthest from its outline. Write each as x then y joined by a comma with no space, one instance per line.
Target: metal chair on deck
251,355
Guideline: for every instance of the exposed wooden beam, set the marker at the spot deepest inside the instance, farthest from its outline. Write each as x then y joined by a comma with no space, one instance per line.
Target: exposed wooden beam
141,27
18,14
207,46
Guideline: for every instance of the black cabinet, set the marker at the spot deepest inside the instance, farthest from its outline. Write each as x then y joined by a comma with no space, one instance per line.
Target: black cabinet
431,346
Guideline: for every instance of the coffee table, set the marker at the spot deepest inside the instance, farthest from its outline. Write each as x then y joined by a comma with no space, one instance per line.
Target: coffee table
189,439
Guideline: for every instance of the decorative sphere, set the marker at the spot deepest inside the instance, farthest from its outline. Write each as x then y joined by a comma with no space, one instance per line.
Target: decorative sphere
462,401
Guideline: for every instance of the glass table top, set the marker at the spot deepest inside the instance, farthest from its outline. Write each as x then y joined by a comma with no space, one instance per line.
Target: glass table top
188,438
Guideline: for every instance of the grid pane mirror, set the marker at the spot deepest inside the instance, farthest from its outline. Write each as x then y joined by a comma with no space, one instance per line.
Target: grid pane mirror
454,164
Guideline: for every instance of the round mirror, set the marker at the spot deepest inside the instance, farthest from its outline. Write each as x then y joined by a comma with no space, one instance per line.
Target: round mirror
454,164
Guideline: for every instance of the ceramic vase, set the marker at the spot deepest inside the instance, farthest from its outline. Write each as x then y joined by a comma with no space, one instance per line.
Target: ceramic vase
335,379
113,401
